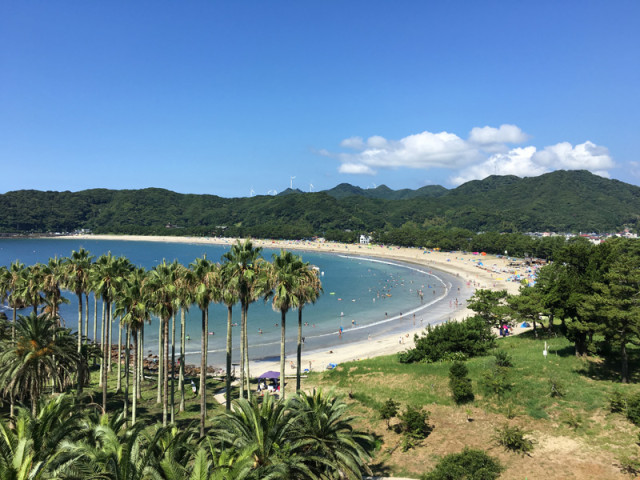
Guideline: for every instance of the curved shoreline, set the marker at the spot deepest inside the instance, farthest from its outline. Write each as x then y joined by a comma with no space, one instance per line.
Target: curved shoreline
455,263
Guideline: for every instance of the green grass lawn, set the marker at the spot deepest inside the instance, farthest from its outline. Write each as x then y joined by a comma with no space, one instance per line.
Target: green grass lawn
581,412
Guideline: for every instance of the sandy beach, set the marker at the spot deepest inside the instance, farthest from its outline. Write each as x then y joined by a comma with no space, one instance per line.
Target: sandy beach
485,271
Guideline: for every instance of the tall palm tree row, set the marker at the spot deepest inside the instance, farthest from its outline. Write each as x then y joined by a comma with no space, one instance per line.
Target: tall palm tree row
308,437
246,276
132,295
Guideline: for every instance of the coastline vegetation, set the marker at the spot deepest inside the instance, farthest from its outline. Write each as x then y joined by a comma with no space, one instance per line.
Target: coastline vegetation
573,375
560,201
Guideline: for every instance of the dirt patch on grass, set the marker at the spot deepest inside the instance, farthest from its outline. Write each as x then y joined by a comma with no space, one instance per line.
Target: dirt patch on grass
554,456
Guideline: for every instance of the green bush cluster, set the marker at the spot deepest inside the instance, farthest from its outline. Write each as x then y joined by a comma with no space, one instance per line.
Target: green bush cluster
415,422
469,464
513,438
460,383
633,409
496,381
388,410
471,337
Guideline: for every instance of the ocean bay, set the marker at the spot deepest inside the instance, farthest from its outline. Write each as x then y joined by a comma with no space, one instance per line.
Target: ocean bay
367,298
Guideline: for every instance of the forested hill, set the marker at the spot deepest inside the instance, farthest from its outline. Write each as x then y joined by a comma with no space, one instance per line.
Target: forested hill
559,201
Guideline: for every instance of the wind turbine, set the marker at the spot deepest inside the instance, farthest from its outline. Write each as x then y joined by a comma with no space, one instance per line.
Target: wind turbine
291,183
310,187
252,192
272,192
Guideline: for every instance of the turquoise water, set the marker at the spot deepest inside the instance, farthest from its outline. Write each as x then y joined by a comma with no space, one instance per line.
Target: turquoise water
362,296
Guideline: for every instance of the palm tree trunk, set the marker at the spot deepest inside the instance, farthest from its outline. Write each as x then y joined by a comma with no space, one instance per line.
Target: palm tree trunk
299,352
182,349
119,381
140,362
136,377
173,368
13,325
283,319
229,348
127,354
86,318
243,321
102,334
95,323
79,322
108,339
246,354
106,352
160,360
165,377
203,369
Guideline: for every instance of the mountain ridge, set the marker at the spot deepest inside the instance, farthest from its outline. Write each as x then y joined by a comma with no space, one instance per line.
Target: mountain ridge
558,201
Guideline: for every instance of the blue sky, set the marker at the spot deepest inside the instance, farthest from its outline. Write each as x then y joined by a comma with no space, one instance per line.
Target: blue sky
226,97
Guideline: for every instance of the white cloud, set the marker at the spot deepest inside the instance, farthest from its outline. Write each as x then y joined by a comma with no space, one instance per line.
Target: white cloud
585,156
356,168
485,152
423,150
355,143
504,134
528,162
517,161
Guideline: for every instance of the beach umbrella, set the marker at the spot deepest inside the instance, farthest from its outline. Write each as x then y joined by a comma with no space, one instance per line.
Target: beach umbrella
270,374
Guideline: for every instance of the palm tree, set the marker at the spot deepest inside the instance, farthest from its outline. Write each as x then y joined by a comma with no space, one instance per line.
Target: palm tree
15,300
206,278
333,447
31,449
162,291
133,306
285,276
184,299
30,286
264,429
109,451
43,352
78,267
309,289
5,284
210,463
229,298
106,276
245,271
51,277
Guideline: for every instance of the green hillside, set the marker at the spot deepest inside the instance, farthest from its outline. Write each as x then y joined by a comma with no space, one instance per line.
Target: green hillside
561,201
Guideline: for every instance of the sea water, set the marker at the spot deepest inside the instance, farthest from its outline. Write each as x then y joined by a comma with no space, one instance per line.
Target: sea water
363,298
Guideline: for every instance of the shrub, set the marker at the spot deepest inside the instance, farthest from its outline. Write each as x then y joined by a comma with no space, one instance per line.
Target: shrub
503,359
496,380
470,464
458,370
415,422
617,402
460,384
454,357
454,340
388,410
633,409
572,419
461,390
556,388
513,438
